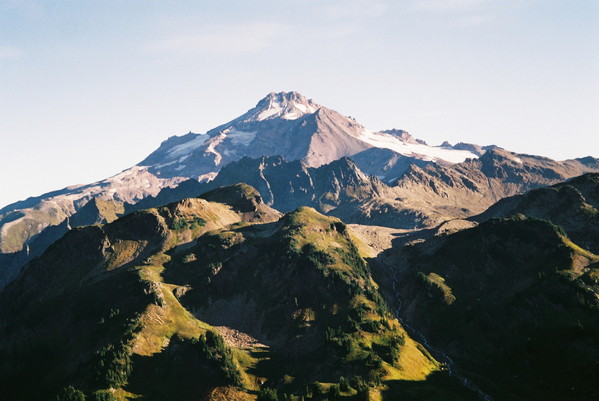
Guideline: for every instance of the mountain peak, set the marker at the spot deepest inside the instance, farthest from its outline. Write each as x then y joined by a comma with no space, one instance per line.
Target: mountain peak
286,105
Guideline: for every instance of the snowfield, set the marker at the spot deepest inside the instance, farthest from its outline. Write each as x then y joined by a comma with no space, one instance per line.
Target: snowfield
425,152
187,147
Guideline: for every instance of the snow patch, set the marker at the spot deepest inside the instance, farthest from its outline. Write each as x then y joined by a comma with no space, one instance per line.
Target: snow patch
288,110
290,116
240,137
302,108
207,177
187,147
213,143
159,166
274,108
431,153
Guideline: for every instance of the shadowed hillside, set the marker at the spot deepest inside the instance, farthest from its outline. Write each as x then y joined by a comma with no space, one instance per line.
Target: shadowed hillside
205,300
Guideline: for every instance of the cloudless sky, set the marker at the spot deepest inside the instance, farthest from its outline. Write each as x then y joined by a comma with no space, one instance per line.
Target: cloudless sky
89,88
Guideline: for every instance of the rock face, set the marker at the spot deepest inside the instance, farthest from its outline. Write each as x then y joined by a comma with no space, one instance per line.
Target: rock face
427,195
386,164
468,188
422,197
287,185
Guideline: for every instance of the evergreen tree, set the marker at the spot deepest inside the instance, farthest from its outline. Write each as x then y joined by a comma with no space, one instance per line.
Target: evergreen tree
70,393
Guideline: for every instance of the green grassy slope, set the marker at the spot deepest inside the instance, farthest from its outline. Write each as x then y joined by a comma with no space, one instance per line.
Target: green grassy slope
513,302
192,301
573,205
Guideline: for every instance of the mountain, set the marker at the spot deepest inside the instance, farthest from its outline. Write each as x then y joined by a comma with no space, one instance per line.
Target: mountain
286,185
471,147
213,298
285,124
510,305
464,189
94,212
386,164
289,125
416,185
221,268
572,205
422,197
20,222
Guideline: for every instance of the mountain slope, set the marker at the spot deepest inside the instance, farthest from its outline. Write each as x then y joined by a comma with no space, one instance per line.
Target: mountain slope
285,124
422,197
435,193
572,205
94,212
286,185
201,300
512,303
386,164
22,221
289,125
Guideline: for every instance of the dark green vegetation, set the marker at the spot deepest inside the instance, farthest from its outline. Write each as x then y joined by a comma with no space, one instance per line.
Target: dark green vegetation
572,205
222,298
75,315
186,369
135,307
513,302
266,275
70,393
24,241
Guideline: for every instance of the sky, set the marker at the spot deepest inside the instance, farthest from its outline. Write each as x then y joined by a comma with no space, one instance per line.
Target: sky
88,89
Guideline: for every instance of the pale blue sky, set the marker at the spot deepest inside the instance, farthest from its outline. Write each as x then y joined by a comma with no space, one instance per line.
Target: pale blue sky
88,89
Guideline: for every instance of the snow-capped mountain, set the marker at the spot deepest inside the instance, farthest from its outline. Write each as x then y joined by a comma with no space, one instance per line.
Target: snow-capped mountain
428,183
283,124
289,125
